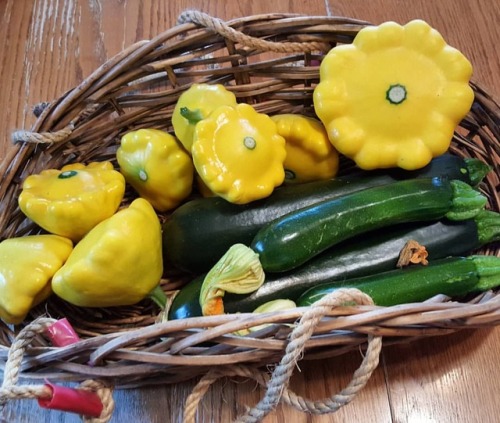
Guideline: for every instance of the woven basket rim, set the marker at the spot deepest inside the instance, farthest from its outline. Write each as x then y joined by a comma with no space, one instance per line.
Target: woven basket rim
138,87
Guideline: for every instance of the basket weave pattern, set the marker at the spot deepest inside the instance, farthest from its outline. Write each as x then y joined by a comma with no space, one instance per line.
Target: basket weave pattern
271,62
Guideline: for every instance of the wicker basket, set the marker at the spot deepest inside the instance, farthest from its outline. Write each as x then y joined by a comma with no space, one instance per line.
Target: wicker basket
271,62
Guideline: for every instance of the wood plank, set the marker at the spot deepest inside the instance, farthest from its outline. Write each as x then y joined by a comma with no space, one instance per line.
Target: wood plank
51,45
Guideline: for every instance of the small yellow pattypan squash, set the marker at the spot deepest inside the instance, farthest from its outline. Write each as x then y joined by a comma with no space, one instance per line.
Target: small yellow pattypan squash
239,154
71,201
394,96
268,307
157,166
310,155
119,262
27,265
195,104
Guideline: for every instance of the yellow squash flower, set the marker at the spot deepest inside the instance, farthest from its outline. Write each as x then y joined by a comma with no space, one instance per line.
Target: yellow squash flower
394,96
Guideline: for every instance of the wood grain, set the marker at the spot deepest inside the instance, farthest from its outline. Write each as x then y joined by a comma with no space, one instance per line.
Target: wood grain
49,46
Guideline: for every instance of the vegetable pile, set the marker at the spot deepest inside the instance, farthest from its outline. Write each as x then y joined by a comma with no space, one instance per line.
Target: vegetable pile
251,206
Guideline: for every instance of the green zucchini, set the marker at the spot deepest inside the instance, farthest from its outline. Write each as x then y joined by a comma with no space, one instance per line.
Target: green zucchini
452,276
360,256
199,232
295,238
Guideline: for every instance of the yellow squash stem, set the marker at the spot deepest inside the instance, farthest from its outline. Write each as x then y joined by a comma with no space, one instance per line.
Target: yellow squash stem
239,272
158,296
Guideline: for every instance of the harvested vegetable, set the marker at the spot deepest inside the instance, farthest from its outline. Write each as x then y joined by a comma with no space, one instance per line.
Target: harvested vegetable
119,262
222,279
71,201
452,276
371,253
310,155
394,96
239,154
295,238
157,166
27,265
292,240
220,224
269,307
196,104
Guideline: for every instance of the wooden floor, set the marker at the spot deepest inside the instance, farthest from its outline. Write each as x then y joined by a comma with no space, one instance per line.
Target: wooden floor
48,46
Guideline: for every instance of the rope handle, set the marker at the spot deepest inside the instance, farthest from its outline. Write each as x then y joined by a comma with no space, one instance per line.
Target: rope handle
277,384
48,395
220,27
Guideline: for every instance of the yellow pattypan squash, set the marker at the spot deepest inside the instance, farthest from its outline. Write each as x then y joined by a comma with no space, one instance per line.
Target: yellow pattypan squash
195,104
239,154
27,265
71,201
119,262
394,96
310,155
157,166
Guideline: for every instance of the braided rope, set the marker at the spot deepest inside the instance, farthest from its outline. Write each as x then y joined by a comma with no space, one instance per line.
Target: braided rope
220,27
23,136
18,347
212,376
277,385
10,391
105,393
42,137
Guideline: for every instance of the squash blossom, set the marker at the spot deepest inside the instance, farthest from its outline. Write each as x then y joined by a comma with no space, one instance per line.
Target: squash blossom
157,166
394,96
71,201
27,265
119,262
239,154
310,156
195,104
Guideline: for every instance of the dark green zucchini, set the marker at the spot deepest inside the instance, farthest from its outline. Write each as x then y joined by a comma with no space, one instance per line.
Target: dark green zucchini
377,252
452,276
199,232
295,238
